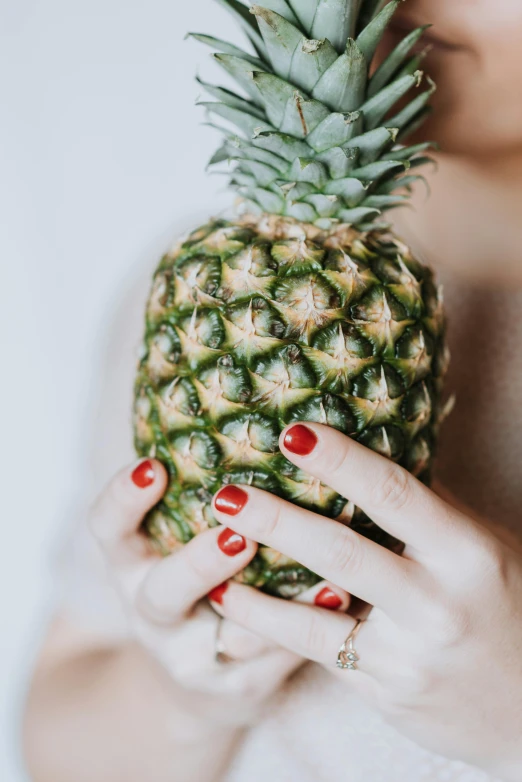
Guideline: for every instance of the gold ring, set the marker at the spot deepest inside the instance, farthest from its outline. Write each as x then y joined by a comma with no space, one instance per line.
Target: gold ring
348,658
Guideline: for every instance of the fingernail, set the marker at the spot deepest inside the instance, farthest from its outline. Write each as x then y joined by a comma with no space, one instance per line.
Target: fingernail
327,598
143,476
300,440
231,500
216,595
231,543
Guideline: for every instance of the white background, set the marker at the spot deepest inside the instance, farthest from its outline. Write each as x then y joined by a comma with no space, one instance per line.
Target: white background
102,157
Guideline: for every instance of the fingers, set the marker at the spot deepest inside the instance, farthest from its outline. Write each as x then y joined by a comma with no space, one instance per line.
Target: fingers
325,595
245,686
326,547
120,509
188,650
313,633
389,495
176,583
240,644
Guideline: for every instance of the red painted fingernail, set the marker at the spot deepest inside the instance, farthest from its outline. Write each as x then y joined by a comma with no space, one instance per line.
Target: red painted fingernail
216,595
300,440
231,543
231,500
327,598
143,476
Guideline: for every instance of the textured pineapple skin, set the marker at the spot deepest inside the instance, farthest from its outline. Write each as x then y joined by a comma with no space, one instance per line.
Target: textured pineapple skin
252,326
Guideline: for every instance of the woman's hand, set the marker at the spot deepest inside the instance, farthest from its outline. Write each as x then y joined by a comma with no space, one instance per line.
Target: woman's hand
163,599
441,653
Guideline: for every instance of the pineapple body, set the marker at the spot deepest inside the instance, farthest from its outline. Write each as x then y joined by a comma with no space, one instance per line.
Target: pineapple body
255,324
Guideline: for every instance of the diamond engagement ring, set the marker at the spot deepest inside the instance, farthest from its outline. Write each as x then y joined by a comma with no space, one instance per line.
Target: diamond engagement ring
348,658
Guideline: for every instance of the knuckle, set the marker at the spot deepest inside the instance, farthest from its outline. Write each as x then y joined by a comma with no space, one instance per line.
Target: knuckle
488,562
241,644
344,553
240,611
149,609
118,493
200,565
413,684
114,510
449,625
315,637
338,462
393,490
264,526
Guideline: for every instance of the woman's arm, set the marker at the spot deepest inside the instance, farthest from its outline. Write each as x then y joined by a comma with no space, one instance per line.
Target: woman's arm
97,712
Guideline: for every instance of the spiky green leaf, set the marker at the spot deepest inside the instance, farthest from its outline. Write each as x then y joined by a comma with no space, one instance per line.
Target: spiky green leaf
406,153
242,149
371,36
370,9
339,161
335,131
242,71
282,8
302,116
226,48
417,105
287,147
350,188
310,61
324,205
302,211
309,171
336,20
358,214
220,155
377,108
231,99
394,61
248,124
372,144
374,171
242,15
281,39
263,173
385,201
275,94
342,88
305,11
415,124
267,200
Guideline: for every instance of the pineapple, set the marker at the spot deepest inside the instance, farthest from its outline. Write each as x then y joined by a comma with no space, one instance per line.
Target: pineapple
305,306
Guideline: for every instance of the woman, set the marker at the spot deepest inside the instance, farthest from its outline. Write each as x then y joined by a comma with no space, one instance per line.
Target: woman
431,683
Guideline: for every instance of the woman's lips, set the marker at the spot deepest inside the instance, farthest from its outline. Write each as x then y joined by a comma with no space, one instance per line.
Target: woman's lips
401,26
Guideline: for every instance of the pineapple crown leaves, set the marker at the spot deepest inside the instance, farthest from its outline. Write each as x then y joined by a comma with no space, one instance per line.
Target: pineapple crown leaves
316,135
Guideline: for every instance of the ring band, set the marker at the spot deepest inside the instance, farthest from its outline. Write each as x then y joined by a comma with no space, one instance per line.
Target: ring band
348,658
220,653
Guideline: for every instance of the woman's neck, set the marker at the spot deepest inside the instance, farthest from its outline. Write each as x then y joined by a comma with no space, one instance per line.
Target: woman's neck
471,223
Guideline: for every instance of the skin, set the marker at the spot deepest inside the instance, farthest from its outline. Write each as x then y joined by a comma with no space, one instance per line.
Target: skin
165,690
430,605
477,121
460,580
